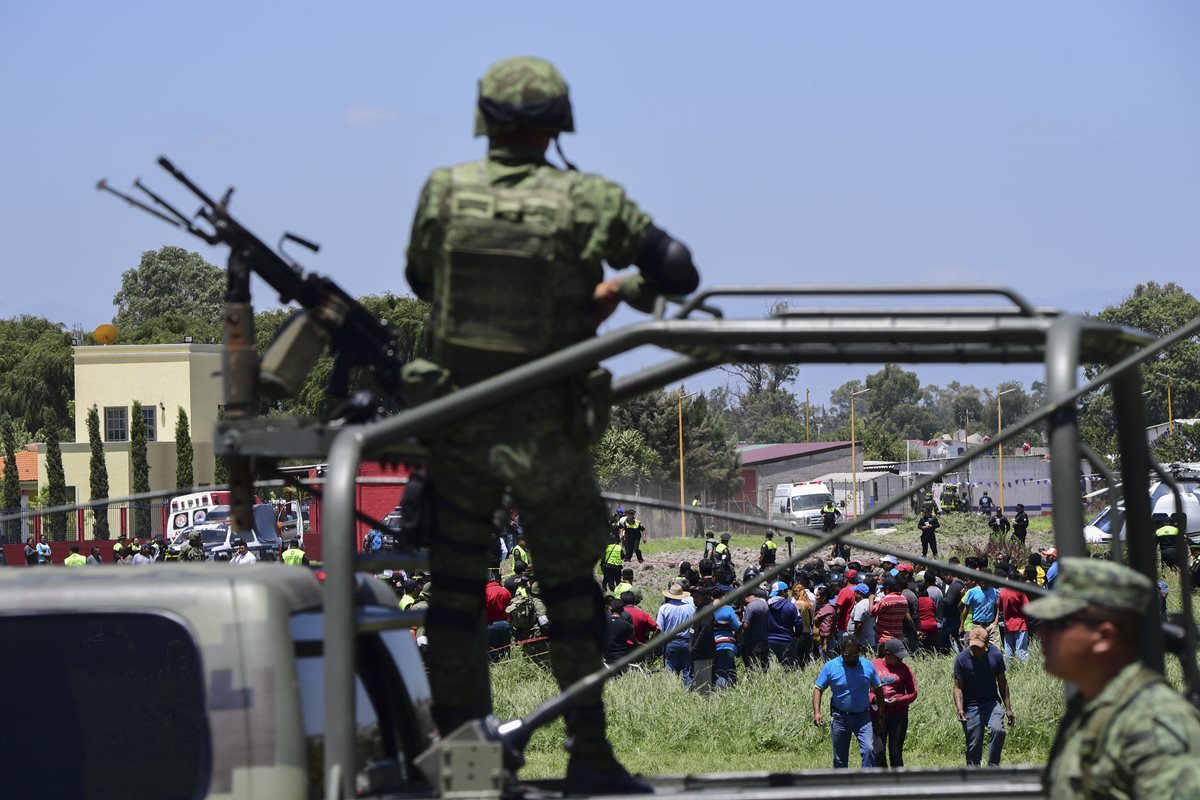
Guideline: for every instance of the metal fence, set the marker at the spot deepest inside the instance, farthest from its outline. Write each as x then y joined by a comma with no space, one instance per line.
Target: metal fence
145,519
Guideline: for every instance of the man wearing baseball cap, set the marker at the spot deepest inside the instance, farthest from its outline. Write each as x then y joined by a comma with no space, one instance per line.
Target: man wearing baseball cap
899,692
979,687
852,680
1127,734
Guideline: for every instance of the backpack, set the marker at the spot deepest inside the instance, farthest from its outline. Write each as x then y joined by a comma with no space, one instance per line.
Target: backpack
522,614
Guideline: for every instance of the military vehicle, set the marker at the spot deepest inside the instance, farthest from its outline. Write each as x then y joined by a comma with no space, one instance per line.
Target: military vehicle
230,651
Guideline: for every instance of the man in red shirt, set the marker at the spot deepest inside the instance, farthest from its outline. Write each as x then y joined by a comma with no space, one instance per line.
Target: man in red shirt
892,617
899,692
846,598
495,604
1011,607
643,623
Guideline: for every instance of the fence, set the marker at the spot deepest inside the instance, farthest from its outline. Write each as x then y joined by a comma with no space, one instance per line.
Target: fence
142,520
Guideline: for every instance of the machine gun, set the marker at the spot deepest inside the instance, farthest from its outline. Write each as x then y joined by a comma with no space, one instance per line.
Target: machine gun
329,318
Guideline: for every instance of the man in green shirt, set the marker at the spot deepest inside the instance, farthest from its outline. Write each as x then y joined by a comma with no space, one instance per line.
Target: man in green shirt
1127,734
510,250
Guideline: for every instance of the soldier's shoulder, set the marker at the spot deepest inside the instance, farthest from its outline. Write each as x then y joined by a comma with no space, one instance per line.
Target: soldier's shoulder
1158,722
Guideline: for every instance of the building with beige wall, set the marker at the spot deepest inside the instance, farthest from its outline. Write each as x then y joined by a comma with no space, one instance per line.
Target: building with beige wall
163,378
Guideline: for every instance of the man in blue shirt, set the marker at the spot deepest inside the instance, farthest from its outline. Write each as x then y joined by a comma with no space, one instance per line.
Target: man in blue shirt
979,686
1050,558
781,624
677,608
982,601
851,679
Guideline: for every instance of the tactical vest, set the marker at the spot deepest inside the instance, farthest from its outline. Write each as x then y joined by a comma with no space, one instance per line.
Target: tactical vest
513,286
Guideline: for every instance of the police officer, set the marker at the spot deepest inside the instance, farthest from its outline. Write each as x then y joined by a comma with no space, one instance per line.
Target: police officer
928,525
766,553
632,533
521,553
509,251
721,553
1167,536
1020,523
294,556
1127,734
610,565
829,515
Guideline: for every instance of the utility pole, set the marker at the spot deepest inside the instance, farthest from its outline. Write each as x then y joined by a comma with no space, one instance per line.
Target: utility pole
853,455
1000,447
807,437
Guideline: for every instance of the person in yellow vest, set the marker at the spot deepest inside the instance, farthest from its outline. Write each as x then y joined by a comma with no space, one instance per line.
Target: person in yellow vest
766,553
294,556
118,546
521,553
1167,536
412,590
626,584
610,565
721,553
75,559
697,519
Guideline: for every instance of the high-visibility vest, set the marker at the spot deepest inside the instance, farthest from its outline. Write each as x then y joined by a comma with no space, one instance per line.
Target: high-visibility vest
521,554
293,557
721,552
769,544
622,587
406,600
74,560
1167,532
612,555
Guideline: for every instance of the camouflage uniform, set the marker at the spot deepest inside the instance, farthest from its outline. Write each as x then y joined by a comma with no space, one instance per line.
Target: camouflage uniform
1137,738
496,314
193,550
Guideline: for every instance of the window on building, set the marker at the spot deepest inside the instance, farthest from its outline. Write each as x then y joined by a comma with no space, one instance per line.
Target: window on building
116,424
150,416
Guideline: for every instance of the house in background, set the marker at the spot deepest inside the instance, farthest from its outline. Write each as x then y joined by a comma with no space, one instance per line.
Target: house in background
27,470
163,378
766,465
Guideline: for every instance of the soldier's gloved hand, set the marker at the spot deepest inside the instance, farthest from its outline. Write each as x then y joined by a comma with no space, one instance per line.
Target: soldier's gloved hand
606,297
422,641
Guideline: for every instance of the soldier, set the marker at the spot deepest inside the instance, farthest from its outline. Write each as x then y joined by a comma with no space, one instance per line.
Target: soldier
194,549
509,250
1127,734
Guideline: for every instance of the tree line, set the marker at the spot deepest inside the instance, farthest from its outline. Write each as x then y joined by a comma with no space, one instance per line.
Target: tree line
172,294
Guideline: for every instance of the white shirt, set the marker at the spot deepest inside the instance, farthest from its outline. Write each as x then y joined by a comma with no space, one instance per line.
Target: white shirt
243,558
862,623
138,558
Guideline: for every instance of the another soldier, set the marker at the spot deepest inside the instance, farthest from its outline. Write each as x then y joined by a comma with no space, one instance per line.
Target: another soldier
194,549
1128,734
509,250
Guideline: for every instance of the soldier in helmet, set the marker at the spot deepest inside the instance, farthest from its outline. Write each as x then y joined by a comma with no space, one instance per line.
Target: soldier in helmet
194,549
509,250
1127,733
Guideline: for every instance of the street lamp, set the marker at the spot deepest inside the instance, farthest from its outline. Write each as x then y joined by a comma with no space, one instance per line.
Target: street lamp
999,427
682,515
1170,412
853,454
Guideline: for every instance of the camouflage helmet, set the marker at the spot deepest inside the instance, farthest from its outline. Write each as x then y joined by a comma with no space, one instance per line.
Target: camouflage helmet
523,93
193,536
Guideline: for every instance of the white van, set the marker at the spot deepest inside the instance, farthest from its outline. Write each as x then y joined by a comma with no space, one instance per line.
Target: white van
801,502
194,509
1162,501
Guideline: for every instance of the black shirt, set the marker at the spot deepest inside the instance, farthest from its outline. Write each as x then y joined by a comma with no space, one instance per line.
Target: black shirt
618,632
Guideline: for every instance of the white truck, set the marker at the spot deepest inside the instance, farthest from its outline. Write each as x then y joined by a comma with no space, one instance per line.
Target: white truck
800,502
1162,501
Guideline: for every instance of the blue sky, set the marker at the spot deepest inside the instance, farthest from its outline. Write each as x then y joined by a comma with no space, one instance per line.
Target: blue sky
1048,146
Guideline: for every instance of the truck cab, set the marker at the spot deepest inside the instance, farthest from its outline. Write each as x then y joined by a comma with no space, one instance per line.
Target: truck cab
214,688
801,502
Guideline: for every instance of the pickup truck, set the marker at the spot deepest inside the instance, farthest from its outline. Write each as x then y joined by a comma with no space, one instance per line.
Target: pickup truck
188,681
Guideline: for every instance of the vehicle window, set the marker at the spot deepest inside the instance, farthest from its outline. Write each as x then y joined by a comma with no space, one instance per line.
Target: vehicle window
373,743
809,502
102,687
214,537
1102,521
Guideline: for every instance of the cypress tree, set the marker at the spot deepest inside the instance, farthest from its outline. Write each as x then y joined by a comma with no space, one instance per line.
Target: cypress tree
184,456
56,481
10,498
98,476
139,471
221,469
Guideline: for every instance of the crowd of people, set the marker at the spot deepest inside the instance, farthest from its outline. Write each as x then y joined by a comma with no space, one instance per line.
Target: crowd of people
127,551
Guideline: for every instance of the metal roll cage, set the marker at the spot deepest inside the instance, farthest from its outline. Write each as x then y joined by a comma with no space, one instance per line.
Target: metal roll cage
1016,333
